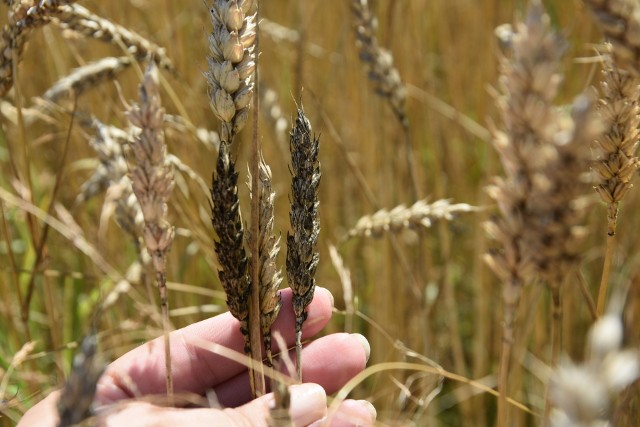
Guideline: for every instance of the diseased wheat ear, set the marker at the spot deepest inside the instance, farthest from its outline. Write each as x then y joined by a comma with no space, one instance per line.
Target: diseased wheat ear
302,257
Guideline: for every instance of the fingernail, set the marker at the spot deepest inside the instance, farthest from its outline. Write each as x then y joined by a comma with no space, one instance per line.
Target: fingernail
364,343
351,413
328,292
308,403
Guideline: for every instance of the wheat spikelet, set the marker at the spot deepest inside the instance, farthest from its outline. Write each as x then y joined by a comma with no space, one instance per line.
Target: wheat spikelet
379,61
268,248
620,23
302,259
152,183
82,21
76,398
420,214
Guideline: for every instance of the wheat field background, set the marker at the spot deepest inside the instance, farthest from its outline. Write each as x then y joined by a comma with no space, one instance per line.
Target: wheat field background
420,295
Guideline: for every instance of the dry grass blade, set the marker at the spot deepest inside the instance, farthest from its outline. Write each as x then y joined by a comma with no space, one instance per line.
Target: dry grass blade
279,414
152,182
87,76
302,258
620,23
420,214
268,247
76,398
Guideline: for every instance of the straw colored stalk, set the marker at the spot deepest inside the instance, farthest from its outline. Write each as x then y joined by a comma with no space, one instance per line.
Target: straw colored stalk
302,258
620,23
420,214
268,247
615,152
152,182
76,398
231,86
24,17
542,152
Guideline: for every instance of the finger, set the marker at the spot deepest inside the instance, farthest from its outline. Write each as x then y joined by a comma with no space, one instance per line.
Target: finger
142,370
43,414
350,413
330,361
308,404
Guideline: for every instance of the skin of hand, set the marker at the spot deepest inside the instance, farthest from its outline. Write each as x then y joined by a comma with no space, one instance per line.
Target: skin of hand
328,363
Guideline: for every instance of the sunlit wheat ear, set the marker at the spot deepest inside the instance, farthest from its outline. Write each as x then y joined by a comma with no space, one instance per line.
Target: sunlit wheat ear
379,61
420,214
542,154
302,257
76,398
232,63
24,17
82,21
268,248
583,394
620,23
88,76
152,182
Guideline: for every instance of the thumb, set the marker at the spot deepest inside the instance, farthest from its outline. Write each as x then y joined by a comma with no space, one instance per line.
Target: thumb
308,404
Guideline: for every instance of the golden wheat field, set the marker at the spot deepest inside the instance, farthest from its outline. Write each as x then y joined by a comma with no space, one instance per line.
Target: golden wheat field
476,209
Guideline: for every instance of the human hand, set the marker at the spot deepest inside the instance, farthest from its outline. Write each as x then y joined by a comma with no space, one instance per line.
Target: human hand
196,370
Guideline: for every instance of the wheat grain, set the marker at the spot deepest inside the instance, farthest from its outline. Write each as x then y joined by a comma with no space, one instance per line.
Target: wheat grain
152,183
302,259
420,214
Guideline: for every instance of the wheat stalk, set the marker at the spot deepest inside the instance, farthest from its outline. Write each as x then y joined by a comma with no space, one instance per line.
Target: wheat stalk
420,214
152,183
302,258
615,152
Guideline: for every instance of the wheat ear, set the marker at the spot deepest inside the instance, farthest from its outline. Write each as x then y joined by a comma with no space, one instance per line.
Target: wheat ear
541,156
615,152
620,23
231,86
268,247
302,258
152,183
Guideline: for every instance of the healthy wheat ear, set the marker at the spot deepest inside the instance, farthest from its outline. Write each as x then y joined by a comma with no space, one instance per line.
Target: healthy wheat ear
302,258
543,154
152,182
615,151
